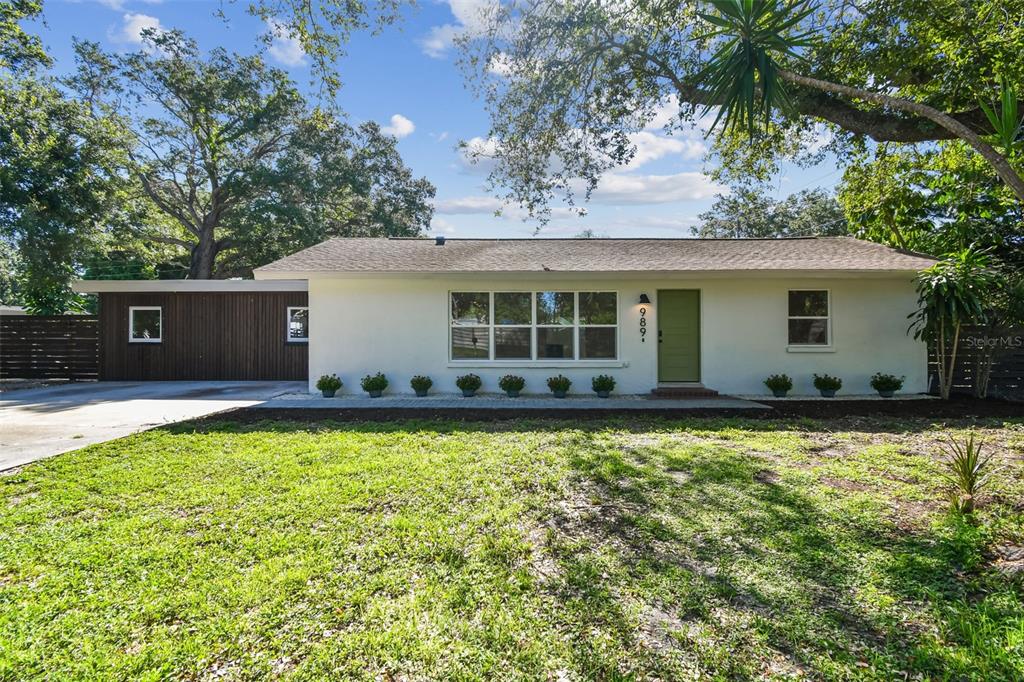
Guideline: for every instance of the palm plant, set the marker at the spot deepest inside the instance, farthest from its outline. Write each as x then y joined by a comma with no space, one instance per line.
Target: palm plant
747,77
968,472
951,294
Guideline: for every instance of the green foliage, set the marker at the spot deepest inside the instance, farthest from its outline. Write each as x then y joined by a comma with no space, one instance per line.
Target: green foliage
749,212
952,293
779,382
741,78
20,50
469,382
511,382
886,382
602,382
328,382
375,382
826,382
968,471
421,383
559,383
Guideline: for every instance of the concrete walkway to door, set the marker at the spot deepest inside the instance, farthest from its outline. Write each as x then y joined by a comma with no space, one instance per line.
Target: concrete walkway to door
41,422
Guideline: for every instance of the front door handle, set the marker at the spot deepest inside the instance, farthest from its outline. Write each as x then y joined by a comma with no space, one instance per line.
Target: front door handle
659,336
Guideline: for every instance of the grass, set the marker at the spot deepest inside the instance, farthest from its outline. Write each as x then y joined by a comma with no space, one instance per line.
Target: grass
536,550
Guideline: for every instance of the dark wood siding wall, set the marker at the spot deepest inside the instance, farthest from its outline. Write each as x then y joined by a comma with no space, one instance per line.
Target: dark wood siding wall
213,336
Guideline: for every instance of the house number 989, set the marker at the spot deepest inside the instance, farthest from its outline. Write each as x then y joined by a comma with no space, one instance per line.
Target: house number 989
643,325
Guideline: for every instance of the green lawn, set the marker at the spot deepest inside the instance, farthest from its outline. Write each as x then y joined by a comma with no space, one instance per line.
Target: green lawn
531,550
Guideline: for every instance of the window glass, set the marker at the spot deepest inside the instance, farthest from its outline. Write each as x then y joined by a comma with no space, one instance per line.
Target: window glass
808,304
597,307
597,343
512,343
470,308
145,324
808,331
554,307
298,324
554,342
512,308
471,343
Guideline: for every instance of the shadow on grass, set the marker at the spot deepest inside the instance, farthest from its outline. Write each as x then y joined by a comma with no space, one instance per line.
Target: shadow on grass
745,576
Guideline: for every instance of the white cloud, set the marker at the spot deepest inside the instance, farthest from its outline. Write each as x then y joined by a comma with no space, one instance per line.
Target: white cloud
470,16
132,26
284,45
441,225
650,147
469,205
620,188
400,127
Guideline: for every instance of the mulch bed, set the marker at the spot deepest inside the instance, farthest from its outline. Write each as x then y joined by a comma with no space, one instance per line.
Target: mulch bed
958,407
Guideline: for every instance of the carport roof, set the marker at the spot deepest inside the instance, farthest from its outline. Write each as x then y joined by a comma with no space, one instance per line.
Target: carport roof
366,256
108,286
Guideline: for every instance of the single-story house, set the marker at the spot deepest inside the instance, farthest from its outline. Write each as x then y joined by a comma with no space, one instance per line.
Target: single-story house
683,315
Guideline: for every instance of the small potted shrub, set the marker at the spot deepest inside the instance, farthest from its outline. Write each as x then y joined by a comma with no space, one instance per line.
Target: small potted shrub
469,384
603,385
421,385
328,384
779,385
375,385
827,385
886,384
511,384
559,385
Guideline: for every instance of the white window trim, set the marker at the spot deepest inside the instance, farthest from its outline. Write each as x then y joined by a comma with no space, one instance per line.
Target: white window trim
131,323
288,325
826,347
533,360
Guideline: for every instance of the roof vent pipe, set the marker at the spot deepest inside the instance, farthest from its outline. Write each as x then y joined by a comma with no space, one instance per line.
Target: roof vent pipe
439,240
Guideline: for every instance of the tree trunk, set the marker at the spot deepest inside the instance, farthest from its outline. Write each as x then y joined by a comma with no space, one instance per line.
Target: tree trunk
203,255
994,158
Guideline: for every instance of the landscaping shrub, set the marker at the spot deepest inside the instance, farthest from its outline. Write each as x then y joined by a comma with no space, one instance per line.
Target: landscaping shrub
968,472
603,385
469,384
827,385
421,384
779,384
511,384
559,385
328,384
886,384
374,385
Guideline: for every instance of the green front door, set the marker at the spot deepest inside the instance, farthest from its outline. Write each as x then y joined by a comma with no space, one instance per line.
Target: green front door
679,335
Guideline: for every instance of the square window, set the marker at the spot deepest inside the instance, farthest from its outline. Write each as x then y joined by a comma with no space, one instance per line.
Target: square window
512,343
298,324
554,343
470,309
597,343
555,308
808,332
808,304
512,308
471,343
145,324
598,307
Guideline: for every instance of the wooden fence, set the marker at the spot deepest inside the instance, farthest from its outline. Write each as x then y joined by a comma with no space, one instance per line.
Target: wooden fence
49,347
1007,378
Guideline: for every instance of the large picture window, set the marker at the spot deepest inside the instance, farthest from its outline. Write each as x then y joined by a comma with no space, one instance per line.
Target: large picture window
534,325
810,318
145,324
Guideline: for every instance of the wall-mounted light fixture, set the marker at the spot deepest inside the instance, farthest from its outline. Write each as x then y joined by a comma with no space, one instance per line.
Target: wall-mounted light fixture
644,300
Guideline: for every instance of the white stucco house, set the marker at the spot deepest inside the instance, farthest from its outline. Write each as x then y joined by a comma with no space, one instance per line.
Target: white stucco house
654,313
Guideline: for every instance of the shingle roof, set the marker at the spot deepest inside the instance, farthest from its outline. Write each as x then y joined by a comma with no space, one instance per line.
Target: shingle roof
370,255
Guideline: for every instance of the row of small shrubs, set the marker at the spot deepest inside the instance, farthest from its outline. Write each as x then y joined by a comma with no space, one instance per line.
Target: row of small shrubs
469,384
827,385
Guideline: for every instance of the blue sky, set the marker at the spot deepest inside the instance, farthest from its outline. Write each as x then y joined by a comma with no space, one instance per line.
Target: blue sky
407,80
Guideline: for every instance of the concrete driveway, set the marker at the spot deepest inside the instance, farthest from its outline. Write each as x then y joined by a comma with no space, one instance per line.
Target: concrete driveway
41,422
